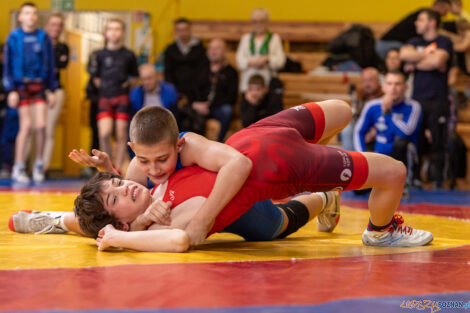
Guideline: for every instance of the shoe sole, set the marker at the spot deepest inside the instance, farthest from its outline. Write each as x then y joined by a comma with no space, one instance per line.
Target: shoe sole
11,225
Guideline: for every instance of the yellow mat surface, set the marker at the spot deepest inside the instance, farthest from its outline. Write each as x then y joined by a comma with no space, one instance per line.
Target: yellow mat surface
22,251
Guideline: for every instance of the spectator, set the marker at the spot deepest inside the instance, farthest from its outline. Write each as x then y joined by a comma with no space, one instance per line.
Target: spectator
153,92
217,91
54,28
456,8
259,52
393,63
6,147
404,30
395,121
111,70
370,80
28,72
184,59
259,101
430,57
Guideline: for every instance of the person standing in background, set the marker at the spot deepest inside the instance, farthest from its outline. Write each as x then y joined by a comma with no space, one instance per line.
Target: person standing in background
27,75
54,28
114,71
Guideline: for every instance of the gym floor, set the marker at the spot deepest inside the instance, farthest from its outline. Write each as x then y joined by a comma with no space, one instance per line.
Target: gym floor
307,272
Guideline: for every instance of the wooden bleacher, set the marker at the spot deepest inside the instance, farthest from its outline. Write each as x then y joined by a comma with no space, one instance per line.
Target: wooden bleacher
290,32
306,43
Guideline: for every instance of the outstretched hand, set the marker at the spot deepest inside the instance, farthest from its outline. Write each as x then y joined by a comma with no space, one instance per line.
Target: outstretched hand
100,159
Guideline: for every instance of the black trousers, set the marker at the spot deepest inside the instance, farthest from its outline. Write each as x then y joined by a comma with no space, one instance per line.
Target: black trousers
406,152
435,116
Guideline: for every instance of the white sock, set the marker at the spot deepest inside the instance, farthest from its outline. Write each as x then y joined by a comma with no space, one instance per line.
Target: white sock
62,223
324,198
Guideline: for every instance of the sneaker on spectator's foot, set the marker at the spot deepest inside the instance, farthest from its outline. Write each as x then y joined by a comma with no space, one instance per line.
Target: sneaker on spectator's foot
38,222
18,174
329,216
38,172
397,235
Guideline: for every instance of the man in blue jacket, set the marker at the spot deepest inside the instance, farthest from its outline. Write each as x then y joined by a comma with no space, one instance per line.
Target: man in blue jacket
27,74
396,121
153,92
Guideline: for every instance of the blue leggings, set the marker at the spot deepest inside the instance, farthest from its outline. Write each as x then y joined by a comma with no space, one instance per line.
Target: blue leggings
263,222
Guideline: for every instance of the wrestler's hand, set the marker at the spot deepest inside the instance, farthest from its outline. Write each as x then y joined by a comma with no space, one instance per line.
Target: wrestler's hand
107,237
100,160
157,213
51,98
197,232
13,99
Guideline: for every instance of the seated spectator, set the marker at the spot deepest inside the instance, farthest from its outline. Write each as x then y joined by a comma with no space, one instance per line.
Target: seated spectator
370,79
259,101
404,30
260,52
153,92
396,121
217,88
184,58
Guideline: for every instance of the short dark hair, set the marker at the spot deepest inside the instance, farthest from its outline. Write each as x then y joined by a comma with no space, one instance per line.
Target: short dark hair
257,80
116,20
442,1
89,208
182,20
395,72
28,4
152,125
432,15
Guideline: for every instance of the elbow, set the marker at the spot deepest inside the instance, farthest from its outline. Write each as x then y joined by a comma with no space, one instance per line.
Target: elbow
245,165
180,241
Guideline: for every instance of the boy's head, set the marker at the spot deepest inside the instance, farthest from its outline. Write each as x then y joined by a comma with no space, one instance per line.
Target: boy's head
55,25
114,31
395,86
257,87
154,140
28,15
106,199
183,29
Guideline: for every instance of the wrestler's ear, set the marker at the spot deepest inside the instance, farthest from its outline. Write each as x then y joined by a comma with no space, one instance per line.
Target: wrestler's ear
131,145
124,226
180,144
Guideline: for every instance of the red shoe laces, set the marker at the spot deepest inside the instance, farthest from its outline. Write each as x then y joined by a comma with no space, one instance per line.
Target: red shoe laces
397,225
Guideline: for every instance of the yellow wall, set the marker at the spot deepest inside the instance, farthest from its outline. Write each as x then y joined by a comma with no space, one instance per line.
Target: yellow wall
164,11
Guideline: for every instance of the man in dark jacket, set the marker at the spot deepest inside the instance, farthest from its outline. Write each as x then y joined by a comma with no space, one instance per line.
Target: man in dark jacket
184,58
217,90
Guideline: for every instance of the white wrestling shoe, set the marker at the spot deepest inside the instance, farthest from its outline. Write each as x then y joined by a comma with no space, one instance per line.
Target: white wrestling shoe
36,222
18,175
397,235
329,216
38,172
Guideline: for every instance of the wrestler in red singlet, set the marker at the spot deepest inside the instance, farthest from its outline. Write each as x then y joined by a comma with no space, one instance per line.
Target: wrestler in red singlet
285,162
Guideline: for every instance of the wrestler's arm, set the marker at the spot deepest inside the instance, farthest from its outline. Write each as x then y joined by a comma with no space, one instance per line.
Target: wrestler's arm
232,167
162,240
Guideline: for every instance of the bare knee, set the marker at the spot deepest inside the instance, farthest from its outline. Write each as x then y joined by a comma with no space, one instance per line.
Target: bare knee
344,110
397,173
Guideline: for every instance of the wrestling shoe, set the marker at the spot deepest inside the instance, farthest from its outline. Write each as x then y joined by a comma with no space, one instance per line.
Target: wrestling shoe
36,222
18,175
38,172
397,235
329,216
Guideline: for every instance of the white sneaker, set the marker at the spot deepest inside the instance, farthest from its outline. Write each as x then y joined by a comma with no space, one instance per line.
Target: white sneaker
329,216
397,235
37,222
18,174
38,172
